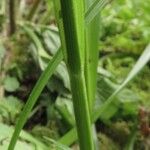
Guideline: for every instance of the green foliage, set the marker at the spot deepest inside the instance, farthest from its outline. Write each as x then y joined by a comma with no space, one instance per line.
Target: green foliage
127,24
11,84
27,141
10,108
35,48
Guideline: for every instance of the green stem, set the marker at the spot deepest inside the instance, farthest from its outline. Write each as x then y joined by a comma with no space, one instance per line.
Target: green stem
81,112
74,31
91,61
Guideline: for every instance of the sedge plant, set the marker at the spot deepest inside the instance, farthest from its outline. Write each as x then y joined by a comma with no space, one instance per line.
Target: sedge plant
81,67
78,23
72,32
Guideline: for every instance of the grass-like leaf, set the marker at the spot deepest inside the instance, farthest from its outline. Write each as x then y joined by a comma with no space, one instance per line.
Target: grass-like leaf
142,61
34,96
57,145
91,59
94,10
26,141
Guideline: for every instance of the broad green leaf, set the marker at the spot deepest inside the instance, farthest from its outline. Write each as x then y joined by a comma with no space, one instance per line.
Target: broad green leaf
27,142
65,108
11,84
10,108
62,74
41,53
36,40
51,39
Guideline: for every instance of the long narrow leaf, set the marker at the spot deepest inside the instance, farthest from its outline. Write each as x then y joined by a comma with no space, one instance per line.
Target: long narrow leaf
91,59
34,96
57,145
94,10
142,61
91,62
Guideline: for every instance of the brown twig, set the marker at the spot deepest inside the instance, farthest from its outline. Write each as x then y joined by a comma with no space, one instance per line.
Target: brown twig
12,17
144,121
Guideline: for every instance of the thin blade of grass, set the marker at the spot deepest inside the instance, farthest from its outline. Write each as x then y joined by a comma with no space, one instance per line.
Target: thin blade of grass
91,59
34,96
57,145
94,10
142,61
91,62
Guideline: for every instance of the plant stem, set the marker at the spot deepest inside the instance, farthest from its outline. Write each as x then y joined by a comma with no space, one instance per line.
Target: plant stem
91,62
12,17
74,32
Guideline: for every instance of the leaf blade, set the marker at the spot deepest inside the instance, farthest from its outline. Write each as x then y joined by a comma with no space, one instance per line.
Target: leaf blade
34,96
94,10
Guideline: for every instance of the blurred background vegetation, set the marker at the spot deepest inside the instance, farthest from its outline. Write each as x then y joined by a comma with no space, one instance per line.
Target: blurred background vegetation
29,38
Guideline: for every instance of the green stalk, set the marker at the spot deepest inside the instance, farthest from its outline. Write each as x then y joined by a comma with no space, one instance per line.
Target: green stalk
73,36
34,95
92,36
94,9
91,62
